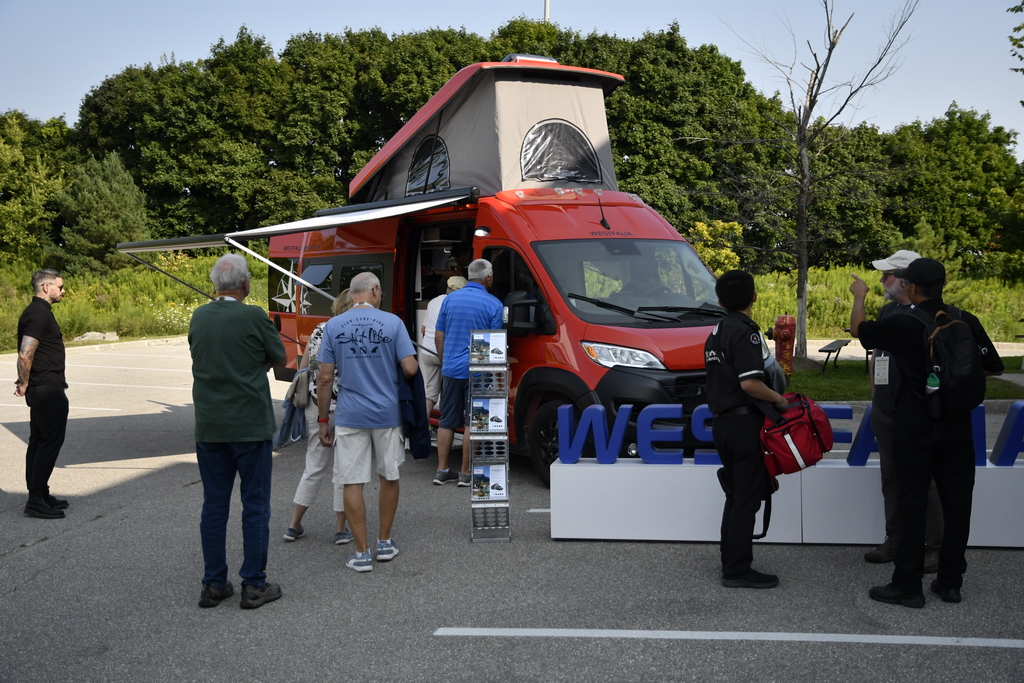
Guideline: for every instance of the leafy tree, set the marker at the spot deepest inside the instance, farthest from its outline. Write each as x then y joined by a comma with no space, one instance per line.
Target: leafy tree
100,207
714,241
1017,39
958,174
31,175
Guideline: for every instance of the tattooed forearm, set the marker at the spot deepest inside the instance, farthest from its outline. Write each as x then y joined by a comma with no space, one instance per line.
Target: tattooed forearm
26,354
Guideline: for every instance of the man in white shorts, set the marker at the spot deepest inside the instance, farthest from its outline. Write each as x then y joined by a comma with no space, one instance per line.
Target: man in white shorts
368,346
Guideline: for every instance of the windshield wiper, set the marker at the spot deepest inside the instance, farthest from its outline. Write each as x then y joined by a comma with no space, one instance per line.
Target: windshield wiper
619,309
704,308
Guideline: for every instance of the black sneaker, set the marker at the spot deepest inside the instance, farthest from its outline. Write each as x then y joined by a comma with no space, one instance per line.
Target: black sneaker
896,596
55,502
947,594
38,507
253,597
212,595
752,579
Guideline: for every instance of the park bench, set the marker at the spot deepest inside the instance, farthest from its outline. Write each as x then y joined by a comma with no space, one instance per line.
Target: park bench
830,348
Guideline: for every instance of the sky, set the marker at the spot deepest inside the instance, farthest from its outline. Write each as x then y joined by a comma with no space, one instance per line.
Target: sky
52,53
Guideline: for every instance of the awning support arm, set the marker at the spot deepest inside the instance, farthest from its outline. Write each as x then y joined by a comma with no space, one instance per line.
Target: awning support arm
160,270
276,267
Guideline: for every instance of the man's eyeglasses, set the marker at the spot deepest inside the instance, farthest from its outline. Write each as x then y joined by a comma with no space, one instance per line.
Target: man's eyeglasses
886,274
60,287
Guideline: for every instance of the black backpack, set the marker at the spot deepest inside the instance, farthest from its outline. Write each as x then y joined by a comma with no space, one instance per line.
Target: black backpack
954,357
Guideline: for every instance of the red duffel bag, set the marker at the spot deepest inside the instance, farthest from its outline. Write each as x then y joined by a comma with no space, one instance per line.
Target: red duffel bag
797,437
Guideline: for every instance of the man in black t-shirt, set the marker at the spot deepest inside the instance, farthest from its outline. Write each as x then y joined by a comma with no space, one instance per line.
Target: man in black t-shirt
924,448
41,382
735,374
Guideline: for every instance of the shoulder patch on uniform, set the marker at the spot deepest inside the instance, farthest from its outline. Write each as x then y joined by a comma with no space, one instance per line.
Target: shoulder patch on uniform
755,339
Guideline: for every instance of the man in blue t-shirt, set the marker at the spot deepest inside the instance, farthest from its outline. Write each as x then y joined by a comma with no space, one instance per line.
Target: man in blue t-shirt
370,348
470,308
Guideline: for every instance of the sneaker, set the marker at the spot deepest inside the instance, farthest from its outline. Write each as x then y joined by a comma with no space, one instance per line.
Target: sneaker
947,594
895,596
361,562
883,553
343,537
465,479
291,534
38,507
253,597
386,550
931,560
212,595
57,503
445,476
752,579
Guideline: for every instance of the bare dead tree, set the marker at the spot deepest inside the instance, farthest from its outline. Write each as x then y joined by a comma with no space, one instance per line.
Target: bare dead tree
816,100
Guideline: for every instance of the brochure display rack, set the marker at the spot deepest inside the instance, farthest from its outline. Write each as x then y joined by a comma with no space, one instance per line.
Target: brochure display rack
488,435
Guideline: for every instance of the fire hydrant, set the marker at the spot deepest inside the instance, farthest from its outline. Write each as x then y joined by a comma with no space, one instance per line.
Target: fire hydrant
784,336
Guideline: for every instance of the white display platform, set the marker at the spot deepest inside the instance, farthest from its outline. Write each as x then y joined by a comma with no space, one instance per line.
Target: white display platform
831,502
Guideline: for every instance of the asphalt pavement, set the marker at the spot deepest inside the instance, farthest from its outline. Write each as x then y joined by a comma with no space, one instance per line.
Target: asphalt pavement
110,592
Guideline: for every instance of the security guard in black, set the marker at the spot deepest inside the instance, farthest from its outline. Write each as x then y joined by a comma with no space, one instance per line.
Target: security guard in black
735,376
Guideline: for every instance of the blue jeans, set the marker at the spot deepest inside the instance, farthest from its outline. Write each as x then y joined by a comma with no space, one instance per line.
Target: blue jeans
218,463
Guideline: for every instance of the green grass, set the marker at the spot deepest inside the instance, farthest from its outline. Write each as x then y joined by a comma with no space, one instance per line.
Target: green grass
849,382
133,302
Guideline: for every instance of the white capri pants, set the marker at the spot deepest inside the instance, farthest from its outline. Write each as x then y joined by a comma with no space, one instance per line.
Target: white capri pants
318,460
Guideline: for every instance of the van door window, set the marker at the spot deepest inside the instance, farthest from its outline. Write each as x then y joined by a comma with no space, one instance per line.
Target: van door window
319,274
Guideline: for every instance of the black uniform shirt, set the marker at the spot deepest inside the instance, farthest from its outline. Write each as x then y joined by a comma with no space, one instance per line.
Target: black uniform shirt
37,321
903,337
732,353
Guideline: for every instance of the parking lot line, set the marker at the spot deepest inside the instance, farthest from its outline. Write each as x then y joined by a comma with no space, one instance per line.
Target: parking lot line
854,638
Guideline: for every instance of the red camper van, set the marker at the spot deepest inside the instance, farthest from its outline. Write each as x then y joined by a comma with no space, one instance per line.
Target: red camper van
605,302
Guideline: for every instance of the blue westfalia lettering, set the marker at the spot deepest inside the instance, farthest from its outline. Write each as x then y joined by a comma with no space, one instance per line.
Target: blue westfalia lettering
646,434
594,420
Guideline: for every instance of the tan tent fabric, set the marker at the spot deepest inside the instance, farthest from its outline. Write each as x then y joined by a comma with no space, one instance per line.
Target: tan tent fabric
483,129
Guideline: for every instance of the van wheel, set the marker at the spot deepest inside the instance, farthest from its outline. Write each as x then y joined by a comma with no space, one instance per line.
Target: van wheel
542,439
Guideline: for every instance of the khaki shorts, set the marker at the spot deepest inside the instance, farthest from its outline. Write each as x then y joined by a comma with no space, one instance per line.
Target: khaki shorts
354,448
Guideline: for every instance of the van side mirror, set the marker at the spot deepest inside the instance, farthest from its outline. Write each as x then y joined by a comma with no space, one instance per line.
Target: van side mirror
526,314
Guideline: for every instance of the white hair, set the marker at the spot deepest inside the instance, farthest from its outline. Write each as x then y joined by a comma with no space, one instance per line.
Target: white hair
229,273
363,282
479,270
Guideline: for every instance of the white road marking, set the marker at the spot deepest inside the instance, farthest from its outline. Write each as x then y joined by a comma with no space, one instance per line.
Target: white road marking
22,405
857,638
126,386
115,367
547,510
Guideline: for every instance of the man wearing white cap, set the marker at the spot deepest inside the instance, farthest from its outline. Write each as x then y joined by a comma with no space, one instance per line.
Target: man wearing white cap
886,383
431,364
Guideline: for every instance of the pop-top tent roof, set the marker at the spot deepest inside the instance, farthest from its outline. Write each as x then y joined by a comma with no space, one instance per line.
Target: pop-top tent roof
522,123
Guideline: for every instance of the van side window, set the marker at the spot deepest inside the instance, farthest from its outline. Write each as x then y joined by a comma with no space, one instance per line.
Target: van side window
511,273
319,274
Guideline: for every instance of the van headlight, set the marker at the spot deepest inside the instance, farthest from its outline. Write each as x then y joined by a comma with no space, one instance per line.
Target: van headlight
609,356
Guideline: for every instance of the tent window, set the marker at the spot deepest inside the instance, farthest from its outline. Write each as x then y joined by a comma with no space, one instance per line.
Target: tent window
557,150
430,170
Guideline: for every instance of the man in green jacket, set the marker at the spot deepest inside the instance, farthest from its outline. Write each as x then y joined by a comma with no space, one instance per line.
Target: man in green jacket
233,345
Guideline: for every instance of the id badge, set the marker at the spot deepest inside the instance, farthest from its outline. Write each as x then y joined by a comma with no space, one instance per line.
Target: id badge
881,370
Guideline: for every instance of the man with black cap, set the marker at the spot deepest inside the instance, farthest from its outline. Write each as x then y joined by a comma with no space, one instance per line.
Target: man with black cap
885,386
925,448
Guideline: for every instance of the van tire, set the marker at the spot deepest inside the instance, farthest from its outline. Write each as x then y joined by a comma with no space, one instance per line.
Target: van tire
542,439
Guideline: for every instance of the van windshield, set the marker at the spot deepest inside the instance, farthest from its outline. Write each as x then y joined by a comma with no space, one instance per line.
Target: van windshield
627,282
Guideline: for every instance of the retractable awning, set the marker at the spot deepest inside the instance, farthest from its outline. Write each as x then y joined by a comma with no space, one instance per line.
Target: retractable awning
329,218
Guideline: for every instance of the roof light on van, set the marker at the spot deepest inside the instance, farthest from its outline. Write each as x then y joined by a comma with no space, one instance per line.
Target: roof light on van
482,231
609,356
